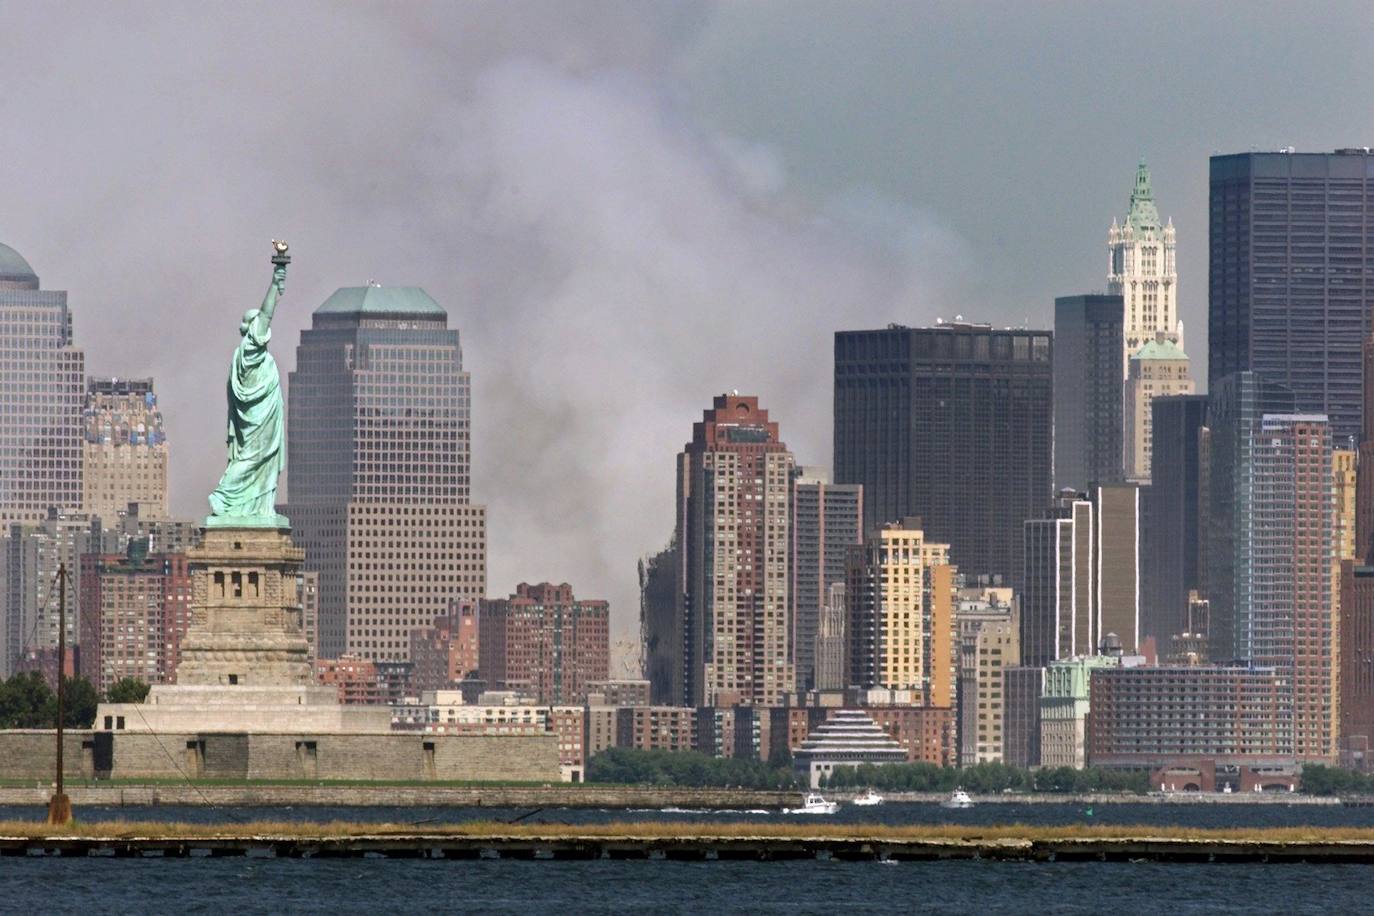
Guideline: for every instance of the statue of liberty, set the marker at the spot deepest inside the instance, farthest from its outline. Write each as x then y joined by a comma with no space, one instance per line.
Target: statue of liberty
247,493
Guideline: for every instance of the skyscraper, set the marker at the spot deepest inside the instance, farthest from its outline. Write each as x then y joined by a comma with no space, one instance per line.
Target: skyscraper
953,424
734,523
1141,270
826,522
661,625
136,607
378,464
125,450
901,593
544,641
1290,286
1356,625
42,377
1158,369
1172,566
1087,391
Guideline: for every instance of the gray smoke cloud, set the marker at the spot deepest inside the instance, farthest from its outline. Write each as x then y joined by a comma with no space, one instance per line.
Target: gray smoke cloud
625,207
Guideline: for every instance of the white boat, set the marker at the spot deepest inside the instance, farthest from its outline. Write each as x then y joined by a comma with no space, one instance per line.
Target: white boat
814,804
868,799
958,799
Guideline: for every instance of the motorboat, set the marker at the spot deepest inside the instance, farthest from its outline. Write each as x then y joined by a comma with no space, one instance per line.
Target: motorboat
958,799
868,800
815,804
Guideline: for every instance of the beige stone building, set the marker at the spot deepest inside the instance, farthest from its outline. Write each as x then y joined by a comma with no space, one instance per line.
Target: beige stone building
989,643
125,450
1159,369
901,591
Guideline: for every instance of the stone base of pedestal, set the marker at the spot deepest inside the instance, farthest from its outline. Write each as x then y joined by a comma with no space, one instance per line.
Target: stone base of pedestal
174,708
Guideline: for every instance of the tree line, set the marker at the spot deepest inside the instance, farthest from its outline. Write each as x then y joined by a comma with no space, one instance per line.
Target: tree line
26,700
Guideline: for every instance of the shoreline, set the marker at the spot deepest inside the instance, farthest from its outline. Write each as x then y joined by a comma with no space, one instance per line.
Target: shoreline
569,796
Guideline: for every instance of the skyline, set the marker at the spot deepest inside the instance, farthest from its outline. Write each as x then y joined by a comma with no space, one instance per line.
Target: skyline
679,225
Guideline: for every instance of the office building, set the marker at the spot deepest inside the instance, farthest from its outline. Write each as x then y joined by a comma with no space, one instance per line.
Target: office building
989,645
1290,285
1081,578
832,642
1064,706
1141,270
826,522
734,526
661,624
901,592
378,461
42,384
1148,716
1088,430
1356,614
448,651
544,641
1021,716
125,450
1171,566
954,425
1158,369
136,606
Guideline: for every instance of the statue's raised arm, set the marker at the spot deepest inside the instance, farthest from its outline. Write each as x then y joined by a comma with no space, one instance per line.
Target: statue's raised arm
247,491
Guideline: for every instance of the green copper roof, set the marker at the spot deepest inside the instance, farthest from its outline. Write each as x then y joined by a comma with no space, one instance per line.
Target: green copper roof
13,266
1160,349
1143,215
381,300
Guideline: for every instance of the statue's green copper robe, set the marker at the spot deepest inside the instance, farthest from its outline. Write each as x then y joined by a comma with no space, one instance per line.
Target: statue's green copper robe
257,452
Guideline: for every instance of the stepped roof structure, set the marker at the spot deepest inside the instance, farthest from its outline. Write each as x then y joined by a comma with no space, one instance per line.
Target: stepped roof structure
848,738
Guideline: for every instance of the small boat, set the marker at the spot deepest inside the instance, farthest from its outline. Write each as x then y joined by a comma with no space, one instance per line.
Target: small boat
868,799
814,804
958,799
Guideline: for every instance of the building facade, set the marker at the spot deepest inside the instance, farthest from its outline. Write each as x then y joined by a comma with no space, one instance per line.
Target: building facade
125,450
1171,565
1088,423
901,594
734,526
662,627
1064,707
827,520
544,641
42,385
1158,369
1023,687
988,648
448,651
1290,288
136,607
919,408
1142,271
378,442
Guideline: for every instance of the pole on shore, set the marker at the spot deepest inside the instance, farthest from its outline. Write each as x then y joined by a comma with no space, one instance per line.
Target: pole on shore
60,808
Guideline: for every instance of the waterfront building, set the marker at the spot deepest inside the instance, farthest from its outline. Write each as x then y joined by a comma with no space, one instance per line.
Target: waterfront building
136,606
926,734
989,644
1088,423
954,425
656,728
1171,563
827,520
901,592
1021,716
848,738
378,459
356,679
545,641
1141,269
1064,705
620,692
1290,287
124,450
42,383
1148,716
1081,577
734,523
1158,369
661,625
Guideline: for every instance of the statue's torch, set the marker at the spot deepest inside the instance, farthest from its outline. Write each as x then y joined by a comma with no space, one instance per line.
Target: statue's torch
279,256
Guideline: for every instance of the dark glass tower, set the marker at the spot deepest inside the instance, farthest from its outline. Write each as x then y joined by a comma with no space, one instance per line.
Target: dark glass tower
1088,426
954,425
1291,278
1171,562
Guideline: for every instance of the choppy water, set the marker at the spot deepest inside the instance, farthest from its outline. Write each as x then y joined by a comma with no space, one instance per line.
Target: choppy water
417,886
236,885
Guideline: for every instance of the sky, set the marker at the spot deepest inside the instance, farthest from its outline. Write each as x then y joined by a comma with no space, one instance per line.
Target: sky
625,207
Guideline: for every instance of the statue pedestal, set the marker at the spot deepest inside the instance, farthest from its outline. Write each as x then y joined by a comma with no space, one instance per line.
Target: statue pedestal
245,663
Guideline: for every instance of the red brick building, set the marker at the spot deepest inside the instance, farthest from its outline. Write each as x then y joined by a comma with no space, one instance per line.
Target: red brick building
447,652
656,728
135,609
357,679
544,641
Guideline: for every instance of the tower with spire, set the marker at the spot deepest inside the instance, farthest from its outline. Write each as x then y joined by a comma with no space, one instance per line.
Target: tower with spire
1141,271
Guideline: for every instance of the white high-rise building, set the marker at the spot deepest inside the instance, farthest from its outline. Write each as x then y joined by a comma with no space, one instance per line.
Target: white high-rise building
1141,271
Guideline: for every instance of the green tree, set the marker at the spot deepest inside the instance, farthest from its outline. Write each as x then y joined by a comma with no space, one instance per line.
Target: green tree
79,701
127,690
26,702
